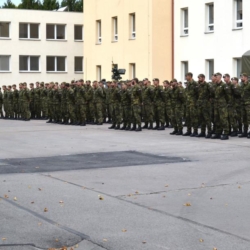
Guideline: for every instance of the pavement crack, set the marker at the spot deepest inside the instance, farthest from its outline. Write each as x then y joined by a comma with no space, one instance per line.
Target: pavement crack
159,211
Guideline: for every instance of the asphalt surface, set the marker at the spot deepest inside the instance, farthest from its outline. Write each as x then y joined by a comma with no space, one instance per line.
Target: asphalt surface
92,188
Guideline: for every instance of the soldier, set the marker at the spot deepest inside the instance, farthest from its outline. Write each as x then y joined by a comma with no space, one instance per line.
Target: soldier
70,99
126,106
204,107
1,103
220,109
177,103
89,100
20,101
26,102
212,87
245,97
43,101
191,108
98,98
81,103
15,102
115,101
64,111
56,104
104,105
10,102
136,102
159,102
32,100
238,107
108,93
50,102
147,103
231,93
37,101
168,108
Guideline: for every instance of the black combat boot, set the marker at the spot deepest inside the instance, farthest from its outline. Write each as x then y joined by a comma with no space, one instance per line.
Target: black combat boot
150,126
195,133
112,127
202,134
244,134
188,133
138,129
167,125
234,133
145,126
224,137
216,136
49,121
157,126
161,127
133,128
179,132
123,127
208,136
248,135
174,132
118,127
83,124
128,127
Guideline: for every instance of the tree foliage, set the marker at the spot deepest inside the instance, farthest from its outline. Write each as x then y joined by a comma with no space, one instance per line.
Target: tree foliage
9,5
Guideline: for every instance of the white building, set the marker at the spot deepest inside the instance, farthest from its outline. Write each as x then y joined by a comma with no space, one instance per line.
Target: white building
210,36
40,46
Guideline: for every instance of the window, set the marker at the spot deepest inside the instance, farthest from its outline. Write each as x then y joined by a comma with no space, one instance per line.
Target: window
115,28
55,31
4,30
4,63
56,63
210,17
28,63
99,31
99,72
79,64
132,26
238,14
184,22
209,68
184,69
132,68
237,67
29,30
78,33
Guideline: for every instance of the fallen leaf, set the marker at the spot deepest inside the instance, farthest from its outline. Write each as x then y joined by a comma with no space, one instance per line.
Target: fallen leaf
129,195
32,202
137,192
187,204
4,239
124,230
39,223
76,246
29,187
83,187
71,248
239,186
166,185
144,242
64,248
61,202
45,210
214,248
39,189
211,198
100,197
189,194
6,196
15,199
105,240
164,196
56,240
201,240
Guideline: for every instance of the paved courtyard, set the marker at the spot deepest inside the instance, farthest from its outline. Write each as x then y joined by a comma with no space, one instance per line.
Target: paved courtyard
91,188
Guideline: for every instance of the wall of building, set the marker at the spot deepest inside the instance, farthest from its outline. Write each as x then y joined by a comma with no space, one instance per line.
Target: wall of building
223,45
149,51
15,46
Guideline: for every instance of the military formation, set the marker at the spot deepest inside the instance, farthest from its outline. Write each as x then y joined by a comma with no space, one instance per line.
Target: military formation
220,108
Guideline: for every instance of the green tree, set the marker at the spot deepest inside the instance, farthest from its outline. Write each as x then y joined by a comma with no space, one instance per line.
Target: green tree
50,5
30,4
9,5
73,5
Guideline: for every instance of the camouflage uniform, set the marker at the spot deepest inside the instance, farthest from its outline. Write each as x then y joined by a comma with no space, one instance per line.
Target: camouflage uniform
98,98
168,108
116,109
126,108
15,104
32,103
5,103
37,103
81,105
136,101
147,100
26,102
44,103
245,95
159,102
64,114
71,106
56,105
238,108
90,106
10,104
1,104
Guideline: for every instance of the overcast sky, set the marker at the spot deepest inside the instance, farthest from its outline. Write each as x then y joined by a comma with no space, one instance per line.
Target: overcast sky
16,2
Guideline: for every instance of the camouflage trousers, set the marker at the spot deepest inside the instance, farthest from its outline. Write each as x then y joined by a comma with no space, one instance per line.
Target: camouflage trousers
90,111
6,109
56,112
16,110
98,116
126,114
246,115
26,110
1,109
168,113
37,109
104,110
64,114
109,110
44,108
81,113
32,109
116,110
204,114
176,117
71,114
232,118
159,111
136,114
50,110
238,109
192,119
148,112
221,120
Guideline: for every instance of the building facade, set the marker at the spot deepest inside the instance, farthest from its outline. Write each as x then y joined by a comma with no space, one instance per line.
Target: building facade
210,36
134,34
40,46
